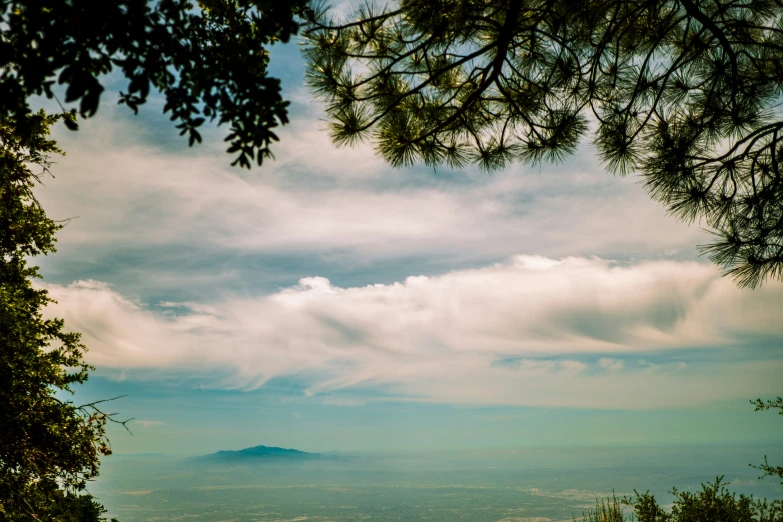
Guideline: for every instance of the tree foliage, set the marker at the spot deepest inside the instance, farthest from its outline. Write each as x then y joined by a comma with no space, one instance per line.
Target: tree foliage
714,503
49,446
682,91
210,62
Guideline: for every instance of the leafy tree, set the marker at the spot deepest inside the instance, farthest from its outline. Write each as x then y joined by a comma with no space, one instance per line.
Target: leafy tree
682,91
714,503
209,62
49,446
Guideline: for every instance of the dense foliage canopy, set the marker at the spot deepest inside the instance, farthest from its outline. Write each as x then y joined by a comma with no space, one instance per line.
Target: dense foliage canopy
210,61
683,91
49,446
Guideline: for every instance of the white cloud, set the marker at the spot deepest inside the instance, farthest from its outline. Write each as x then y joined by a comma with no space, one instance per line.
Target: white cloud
610,364
315,198
540,330
531,331
147,423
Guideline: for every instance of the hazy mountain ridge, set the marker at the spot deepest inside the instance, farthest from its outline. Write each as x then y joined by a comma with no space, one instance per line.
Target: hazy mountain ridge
258,453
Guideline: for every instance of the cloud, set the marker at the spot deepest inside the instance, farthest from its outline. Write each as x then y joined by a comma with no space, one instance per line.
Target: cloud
533,330
147,423
129,192
610,364
539,330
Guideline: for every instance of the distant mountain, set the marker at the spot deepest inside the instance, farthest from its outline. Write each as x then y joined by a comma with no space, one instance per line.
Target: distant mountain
257,453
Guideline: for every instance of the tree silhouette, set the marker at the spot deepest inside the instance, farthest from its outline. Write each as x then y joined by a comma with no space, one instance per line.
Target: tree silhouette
682,91
209,61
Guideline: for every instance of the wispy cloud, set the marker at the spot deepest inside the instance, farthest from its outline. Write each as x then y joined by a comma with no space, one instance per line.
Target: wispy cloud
610,364
555,326
315,198
147,423
565,324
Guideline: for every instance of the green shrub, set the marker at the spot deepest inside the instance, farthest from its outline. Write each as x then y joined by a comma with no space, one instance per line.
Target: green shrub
714,503
607,511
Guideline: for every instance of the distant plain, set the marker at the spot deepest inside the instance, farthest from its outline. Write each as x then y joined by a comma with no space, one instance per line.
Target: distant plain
525,485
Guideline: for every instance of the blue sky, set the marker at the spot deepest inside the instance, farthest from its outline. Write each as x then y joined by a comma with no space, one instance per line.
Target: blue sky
328,302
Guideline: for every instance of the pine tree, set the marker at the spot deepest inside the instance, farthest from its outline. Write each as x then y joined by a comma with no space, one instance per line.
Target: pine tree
683,92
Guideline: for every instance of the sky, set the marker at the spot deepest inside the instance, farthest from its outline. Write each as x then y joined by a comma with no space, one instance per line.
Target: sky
327,301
